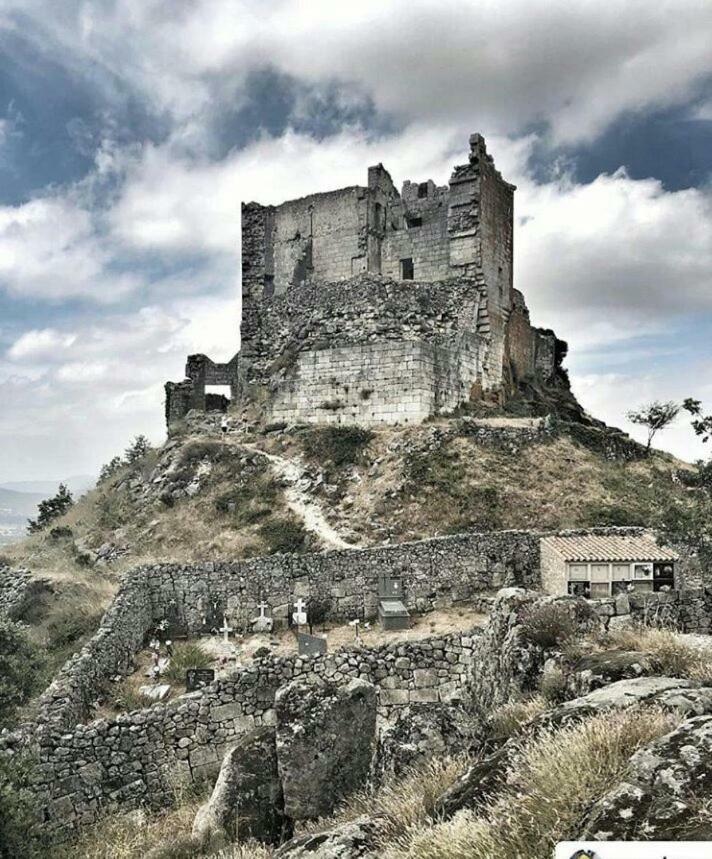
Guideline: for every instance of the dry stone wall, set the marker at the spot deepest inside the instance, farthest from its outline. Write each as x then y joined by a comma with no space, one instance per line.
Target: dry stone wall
17,591
139,757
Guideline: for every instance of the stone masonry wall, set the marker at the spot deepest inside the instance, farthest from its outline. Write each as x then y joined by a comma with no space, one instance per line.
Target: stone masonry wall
391,382
436,573
17,590
139,757
684,610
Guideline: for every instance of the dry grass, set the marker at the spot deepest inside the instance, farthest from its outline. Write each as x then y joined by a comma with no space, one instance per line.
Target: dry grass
507,720
400,803
163,835
552,782
673,656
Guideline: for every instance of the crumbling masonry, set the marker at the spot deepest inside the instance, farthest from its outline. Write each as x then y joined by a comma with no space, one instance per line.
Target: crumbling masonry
366,305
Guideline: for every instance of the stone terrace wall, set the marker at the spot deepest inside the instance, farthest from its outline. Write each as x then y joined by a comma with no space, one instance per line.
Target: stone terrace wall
139,757
365,309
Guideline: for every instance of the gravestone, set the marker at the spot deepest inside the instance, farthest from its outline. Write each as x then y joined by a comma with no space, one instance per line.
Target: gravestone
391,610
262,623
196,678
311,645
300,616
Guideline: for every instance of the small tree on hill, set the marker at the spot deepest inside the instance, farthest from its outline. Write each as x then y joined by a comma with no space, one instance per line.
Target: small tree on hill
701,424
51,509
110,468
138,448
654,416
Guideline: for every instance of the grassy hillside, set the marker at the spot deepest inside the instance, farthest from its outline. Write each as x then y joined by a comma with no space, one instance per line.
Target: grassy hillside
209,497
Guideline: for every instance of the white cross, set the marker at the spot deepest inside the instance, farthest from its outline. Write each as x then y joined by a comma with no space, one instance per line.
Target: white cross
300,616
263,608
225,629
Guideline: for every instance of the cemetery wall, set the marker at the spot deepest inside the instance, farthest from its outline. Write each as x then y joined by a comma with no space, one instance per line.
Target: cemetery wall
685,610
139,757
194,598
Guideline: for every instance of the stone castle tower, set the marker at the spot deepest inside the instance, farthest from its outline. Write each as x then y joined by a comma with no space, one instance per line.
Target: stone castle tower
366,305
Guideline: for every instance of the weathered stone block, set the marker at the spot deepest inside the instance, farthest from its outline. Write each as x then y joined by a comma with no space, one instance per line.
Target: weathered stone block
326,737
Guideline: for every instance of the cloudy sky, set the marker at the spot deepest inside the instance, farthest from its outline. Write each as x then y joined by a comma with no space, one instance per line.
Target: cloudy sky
131,130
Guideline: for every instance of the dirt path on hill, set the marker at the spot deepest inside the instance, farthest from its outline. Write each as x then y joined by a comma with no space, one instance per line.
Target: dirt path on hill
301,503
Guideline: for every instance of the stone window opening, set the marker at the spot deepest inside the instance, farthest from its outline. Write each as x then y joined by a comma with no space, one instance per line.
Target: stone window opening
414,221
422,190
406,267
217,398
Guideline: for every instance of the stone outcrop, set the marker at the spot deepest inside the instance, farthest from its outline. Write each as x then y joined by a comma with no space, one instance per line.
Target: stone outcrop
486,776
665,781
326,737
246,801
353,840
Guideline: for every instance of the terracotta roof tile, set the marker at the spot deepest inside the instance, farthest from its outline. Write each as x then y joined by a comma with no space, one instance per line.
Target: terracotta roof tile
593,547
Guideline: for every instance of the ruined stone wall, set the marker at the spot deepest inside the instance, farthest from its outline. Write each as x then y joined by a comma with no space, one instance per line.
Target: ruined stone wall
366,351
417,230
139,757
17,590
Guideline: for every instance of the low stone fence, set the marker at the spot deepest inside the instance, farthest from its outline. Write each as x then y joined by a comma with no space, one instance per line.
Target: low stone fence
140,757
687,610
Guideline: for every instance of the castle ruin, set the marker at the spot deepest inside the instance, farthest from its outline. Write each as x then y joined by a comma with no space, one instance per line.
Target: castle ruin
365,305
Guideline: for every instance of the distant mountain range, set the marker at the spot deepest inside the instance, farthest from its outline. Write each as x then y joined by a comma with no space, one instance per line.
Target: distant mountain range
77,484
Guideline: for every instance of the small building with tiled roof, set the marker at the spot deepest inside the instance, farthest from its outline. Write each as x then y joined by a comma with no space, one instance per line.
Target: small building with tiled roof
602,565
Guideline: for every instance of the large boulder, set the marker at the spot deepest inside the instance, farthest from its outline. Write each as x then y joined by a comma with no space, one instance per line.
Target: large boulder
247,798
356,839
421,732
326,735
485,776
663,784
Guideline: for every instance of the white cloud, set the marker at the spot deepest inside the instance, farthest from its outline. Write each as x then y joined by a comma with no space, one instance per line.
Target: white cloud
43,344
615,258
503,65
49,248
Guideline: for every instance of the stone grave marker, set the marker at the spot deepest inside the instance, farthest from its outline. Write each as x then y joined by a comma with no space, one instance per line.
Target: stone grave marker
300,616
262,623
311,645
226,629
196,678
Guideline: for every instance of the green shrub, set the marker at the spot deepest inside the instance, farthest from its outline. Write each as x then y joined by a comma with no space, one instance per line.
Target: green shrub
186,655
20,662
70,625
18,811
51,509
251,501
549,625
138,448
341,445
609,514
283,534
